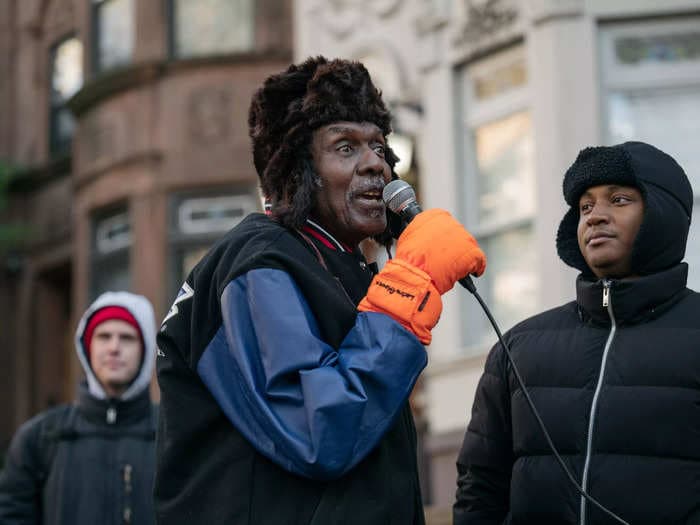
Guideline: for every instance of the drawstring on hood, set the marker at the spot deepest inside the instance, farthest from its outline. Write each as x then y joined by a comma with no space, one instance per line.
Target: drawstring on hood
668,203
142,311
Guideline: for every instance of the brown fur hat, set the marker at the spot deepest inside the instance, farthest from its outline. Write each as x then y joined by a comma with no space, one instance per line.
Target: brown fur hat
286,110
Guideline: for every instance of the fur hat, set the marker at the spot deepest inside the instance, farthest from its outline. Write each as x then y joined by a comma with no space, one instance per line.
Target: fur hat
288,108
668,203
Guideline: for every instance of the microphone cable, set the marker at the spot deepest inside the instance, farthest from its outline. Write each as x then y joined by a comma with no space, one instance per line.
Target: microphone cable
469,285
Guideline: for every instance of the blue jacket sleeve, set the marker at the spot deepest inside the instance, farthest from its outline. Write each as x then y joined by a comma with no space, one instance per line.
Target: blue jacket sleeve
314,410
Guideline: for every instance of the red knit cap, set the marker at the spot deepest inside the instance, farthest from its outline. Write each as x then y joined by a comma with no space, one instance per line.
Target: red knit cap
108,313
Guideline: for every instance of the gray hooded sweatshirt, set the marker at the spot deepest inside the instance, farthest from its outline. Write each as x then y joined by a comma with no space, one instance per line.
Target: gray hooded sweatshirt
91,461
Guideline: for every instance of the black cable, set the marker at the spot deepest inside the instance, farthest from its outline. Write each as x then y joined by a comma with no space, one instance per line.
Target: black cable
469,285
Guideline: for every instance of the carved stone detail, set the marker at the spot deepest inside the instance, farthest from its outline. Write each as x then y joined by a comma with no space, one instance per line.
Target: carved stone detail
384,7
209,114
483,18
342,17
98,139
541,10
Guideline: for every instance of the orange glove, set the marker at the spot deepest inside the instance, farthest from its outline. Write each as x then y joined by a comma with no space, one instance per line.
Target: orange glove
433,253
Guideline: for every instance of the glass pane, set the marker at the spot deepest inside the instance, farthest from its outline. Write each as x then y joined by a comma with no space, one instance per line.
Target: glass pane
658,48
667,118
506,180
511,280
204,27
66,70
115,33
62,127
500,80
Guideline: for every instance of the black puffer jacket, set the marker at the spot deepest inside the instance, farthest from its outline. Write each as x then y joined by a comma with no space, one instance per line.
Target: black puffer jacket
87,463
615,376
638,384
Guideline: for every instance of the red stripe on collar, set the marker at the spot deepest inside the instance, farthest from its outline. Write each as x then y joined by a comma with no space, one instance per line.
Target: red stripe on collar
308,229
326,238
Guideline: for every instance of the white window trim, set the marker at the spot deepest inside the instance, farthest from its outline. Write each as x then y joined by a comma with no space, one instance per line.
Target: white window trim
105,245
617,77
478,113
246,203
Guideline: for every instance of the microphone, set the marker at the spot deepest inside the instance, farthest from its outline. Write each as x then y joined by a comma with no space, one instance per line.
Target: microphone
400,198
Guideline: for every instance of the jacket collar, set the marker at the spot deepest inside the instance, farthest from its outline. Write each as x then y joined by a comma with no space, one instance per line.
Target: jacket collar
633,300
112,412
320,234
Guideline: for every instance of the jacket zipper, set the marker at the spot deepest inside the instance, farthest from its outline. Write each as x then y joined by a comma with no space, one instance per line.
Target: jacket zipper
126,512
111,415
594,405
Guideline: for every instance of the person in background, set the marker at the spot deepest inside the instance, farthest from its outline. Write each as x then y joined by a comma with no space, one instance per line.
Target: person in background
285,364
92,461
614,374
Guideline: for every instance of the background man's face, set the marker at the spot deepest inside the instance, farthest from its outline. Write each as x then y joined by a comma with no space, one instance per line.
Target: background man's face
610,217
349,159
115,355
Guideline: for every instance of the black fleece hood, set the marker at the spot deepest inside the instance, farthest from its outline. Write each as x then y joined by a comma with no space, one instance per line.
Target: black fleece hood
668,203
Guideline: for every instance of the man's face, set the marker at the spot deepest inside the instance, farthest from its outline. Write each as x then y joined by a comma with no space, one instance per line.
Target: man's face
610,217
115,355
349,159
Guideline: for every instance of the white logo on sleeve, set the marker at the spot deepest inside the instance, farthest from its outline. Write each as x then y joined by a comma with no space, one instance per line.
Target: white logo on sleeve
185,293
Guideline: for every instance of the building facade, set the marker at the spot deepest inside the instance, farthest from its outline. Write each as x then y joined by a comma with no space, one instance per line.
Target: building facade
493,99
124,124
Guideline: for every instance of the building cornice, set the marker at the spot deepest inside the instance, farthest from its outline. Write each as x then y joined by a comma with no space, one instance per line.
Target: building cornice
106,85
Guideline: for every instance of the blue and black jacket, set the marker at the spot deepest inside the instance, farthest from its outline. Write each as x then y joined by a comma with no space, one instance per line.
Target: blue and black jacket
279,402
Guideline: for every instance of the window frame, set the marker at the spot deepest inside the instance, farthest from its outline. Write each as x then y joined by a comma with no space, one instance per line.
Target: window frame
646,78
475,113
55,147
118,255
180,241
171,16
96,62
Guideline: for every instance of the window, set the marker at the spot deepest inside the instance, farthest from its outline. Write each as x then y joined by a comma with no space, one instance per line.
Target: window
196,222
110,252
651,86
66,63
498,194
113,29
210,27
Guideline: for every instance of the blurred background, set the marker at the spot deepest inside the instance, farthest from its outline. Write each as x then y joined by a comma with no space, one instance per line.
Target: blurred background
124,153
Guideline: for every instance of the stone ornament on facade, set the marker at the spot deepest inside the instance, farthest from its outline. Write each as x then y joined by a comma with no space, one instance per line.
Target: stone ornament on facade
342,17
98,140
541,10
209,114
483,18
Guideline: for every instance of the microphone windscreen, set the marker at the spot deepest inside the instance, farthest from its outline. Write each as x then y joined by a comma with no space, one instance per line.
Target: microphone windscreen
397,194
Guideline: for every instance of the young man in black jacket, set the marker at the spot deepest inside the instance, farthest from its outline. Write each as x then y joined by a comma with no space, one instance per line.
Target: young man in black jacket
615,374
285,365
92,461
